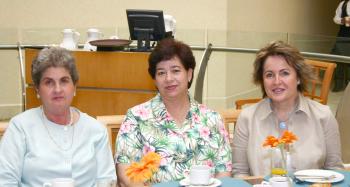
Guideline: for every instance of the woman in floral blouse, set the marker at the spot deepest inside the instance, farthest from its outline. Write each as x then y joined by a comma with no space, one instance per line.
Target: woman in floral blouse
172,124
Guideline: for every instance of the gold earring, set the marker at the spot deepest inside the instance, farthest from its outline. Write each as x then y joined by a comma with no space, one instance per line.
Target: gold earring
38,96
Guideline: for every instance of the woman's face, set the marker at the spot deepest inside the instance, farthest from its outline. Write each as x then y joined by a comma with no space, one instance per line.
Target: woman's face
172,78
56,89
280,80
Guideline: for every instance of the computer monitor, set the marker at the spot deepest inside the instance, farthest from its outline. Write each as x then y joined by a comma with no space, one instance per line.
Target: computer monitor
145,26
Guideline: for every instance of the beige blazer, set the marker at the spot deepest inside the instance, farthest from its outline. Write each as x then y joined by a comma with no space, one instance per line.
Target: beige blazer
318,144
343,118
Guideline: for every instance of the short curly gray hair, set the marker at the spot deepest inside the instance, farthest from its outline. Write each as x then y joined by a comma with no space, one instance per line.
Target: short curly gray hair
53,57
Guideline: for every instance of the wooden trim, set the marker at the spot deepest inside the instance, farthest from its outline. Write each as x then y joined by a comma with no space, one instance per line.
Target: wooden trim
96,102
230,115
239,103
123,70
325,83
110,82
3,127
112,123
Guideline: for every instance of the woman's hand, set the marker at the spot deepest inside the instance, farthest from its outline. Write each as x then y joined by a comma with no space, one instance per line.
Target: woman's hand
345,21
223,174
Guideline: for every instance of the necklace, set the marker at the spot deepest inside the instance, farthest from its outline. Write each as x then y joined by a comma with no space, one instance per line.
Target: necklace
282,124
44,119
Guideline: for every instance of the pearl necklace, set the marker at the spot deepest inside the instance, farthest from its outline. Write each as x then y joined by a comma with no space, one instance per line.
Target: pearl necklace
44,119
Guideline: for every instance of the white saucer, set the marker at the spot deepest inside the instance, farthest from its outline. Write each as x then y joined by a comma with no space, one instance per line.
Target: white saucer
213,182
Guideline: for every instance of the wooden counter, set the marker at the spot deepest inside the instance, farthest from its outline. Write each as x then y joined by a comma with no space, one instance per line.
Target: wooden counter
109,82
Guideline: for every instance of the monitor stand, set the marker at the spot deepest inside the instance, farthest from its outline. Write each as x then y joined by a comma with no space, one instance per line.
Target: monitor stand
143,41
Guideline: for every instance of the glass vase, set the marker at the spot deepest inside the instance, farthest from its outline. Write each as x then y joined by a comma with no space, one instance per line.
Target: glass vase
278,162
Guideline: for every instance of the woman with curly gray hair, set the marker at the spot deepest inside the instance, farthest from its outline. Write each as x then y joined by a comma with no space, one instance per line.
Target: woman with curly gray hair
55,140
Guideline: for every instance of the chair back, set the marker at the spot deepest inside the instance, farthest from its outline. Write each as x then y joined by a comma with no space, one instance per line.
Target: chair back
229,116
317,90
240,102
112,123
3,127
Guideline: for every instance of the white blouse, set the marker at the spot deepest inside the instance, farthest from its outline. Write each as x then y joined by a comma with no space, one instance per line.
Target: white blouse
33,152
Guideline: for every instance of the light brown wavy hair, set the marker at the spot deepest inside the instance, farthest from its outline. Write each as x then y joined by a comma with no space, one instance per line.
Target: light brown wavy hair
291,55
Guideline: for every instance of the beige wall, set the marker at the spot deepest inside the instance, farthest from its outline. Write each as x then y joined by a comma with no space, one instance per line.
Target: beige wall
40,22
297,16
236,23
107,13
254,23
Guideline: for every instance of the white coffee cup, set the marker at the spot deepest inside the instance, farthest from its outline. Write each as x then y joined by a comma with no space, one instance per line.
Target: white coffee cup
280,182
60,182
106,183
200,175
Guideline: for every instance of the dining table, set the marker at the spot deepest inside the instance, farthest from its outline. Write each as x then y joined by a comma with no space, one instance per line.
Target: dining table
229,182
343,183
225,182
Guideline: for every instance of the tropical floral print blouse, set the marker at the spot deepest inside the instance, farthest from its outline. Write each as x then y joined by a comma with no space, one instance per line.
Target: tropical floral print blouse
202,139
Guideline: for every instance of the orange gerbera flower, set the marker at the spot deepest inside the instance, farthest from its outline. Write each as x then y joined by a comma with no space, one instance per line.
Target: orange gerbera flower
271,141
143,170
152,161
288,137
137,172
281,144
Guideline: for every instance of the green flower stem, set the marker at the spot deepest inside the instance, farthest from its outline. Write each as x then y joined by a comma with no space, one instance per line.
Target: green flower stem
281,148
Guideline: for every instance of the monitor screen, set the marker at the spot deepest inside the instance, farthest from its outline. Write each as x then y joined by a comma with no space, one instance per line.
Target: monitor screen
145,26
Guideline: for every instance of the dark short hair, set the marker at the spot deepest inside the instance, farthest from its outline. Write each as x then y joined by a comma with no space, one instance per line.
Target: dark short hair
292,56
53,57
168,49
